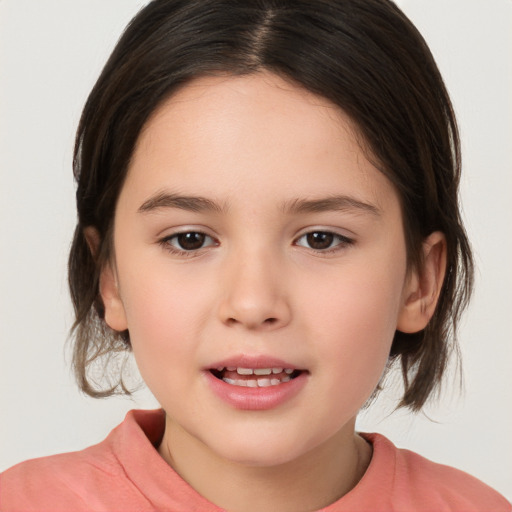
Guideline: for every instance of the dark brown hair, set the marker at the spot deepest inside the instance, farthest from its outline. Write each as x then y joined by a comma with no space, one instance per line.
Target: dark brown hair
363,55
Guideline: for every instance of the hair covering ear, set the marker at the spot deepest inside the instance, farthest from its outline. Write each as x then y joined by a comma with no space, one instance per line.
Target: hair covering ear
93,240
424,285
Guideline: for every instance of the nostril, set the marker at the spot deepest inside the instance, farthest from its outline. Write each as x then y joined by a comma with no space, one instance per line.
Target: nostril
267,321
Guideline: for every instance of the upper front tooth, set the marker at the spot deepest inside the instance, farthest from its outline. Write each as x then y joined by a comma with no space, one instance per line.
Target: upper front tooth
262,371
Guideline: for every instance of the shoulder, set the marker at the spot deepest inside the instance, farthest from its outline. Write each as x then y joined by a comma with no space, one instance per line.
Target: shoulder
59,482
425,485
90,479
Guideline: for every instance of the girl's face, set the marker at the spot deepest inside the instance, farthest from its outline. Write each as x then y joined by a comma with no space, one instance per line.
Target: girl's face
252,233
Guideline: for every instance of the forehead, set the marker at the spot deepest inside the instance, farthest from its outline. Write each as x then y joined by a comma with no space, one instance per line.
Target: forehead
231,135
237,107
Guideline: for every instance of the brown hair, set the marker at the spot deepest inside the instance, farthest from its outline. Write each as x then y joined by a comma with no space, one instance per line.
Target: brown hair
363,55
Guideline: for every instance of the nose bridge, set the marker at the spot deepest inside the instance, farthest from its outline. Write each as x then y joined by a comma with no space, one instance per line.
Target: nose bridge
254,289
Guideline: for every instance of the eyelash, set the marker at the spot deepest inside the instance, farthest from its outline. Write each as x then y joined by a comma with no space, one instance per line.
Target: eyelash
166,243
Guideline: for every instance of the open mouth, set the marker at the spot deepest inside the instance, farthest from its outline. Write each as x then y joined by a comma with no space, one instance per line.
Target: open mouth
255,377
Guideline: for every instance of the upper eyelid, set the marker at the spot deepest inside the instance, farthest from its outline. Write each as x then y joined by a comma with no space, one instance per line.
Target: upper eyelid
329,231
169,231
178,233
342,232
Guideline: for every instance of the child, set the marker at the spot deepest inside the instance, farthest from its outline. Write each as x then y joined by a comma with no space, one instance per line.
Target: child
267,202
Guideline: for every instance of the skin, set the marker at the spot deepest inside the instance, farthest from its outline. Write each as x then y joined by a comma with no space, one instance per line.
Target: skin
255,146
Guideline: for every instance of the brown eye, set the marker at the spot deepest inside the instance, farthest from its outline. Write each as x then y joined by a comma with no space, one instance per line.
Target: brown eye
319,240
323,241
189,241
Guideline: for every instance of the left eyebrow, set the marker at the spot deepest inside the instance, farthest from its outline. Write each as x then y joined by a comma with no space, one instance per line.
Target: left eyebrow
332,203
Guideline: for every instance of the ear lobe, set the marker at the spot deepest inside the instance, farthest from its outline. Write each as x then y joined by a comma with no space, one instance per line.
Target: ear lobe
115,316
423,287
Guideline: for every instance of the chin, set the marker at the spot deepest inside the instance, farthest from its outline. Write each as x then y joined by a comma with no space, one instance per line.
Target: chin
260,451
259,458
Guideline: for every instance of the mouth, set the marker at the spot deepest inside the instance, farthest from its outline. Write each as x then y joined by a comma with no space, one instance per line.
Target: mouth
255,377
257,383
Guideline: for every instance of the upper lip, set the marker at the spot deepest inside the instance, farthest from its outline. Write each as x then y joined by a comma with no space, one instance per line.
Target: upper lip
248,361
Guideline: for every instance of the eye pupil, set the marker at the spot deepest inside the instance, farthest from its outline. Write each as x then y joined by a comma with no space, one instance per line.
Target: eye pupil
320,240
191,241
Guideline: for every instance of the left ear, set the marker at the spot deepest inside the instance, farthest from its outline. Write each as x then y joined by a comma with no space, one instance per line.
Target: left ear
423,286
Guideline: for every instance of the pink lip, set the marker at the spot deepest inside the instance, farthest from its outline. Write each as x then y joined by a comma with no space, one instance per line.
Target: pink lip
255,399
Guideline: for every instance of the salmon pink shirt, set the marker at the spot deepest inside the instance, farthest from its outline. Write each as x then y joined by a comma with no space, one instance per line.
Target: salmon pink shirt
125,473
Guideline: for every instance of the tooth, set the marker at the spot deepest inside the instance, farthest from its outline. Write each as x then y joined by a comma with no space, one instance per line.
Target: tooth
263,383
229,381
262,371
288,371
286,379
251,383
242,383
277,370
220,368
231,368
275,382
244,371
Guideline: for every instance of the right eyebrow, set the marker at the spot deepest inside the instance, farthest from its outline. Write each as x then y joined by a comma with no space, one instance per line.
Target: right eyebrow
191,203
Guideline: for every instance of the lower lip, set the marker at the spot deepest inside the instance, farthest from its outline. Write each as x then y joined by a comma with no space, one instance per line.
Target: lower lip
256,399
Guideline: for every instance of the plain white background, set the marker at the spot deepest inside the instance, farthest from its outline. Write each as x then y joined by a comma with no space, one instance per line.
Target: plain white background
51,52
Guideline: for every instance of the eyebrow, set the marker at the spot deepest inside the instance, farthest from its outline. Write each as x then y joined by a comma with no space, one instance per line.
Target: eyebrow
332,203
296,206
190,203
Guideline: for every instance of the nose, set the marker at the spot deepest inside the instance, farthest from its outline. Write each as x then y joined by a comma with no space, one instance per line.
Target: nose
254,293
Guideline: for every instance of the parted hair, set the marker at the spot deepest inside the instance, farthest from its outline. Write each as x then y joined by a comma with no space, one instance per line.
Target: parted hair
365,56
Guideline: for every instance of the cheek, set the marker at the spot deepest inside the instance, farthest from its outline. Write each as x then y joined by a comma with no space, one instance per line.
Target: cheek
355,322
157,294
164,312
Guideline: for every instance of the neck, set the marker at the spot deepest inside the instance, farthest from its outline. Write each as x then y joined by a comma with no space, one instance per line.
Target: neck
315,480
